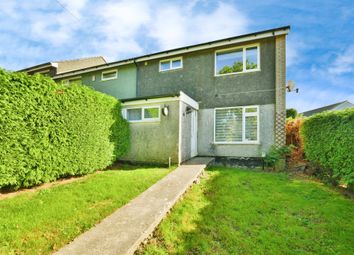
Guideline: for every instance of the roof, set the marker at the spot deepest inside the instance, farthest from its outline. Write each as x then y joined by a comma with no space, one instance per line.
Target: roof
161,98
64,66
207,45
337,106
77,64
36,67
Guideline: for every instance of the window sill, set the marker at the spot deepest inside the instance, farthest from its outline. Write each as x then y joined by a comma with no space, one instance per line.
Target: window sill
237,143
170,70
245,72
110,79
144,121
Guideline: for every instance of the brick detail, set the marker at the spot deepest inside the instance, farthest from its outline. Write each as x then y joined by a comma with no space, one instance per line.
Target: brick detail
280,128
280,80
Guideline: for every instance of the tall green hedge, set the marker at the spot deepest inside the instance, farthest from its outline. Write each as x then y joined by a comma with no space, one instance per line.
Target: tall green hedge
50,130
328,140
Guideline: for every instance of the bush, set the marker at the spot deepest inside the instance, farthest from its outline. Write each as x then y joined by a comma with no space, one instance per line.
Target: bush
49,130
293,138
275,154
291,113
328,140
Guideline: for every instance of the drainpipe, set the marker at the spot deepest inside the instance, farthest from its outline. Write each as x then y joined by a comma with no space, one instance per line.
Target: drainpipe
136,79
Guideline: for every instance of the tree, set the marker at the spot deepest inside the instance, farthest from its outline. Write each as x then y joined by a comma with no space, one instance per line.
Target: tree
291,113
226,69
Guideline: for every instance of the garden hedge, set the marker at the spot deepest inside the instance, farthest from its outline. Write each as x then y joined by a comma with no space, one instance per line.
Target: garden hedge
50,130
328,140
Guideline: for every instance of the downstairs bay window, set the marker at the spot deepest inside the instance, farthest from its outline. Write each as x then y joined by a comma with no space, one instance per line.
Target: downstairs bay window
233,125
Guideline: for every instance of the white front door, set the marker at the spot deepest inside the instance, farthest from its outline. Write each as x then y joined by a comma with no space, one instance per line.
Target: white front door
194,132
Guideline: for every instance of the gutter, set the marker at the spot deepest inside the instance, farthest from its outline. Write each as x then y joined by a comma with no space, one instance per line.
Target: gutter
150,97
137,78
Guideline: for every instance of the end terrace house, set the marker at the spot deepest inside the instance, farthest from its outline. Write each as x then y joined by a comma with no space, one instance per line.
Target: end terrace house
223,98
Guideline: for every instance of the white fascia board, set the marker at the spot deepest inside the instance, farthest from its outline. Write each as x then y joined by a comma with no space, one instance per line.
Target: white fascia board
42,67
150,101
217,44
188,100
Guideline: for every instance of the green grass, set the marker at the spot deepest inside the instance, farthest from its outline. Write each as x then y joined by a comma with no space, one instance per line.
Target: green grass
45,220
249,212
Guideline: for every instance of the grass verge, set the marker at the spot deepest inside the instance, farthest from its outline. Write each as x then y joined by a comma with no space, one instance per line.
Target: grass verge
41,222
247,212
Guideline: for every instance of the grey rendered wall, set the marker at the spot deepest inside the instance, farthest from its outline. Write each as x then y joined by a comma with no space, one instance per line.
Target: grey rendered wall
122,87
197,79
206,136
186,133
155,142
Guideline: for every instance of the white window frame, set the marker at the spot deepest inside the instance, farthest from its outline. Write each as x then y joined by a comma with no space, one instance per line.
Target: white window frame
67,81
244,114
109,71
170,61
143,119
243,59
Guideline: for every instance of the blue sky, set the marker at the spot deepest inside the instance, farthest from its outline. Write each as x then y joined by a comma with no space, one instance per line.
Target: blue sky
320,49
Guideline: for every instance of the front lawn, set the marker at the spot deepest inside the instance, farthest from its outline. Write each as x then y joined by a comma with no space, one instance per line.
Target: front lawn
42,221
249,212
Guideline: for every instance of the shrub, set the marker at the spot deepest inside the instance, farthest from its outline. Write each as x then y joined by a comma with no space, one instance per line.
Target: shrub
275,154
49,130
291,113
328,140
293,138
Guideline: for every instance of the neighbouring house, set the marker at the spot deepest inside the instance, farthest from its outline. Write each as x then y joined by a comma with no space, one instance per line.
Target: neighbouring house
224,98
333,107
58,67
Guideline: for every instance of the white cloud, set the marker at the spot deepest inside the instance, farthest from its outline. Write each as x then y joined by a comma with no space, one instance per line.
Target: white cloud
178,25
74,6
119,27
312,98
124,25
295,48
344,63
56,27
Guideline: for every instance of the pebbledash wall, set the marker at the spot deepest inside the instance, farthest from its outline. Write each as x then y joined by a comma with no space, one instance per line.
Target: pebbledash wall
197,80
155,141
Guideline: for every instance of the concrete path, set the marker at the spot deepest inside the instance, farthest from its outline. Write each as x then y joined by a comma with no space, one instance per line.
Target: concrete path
123,231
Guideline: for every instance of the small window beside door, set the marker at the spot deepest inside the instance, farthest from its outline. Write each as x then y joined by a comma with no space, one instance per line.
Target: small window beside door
143,114
73,80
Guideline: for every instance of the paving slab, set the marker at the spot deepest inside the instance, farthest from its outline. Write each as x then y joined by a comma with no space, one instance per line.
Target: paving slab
123,231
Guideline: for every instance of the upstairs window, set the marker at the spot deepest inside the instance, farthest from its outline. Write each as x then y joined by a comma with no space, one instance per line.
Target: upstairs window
109,75
143,114
236,125
237,60
76,80
170,64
